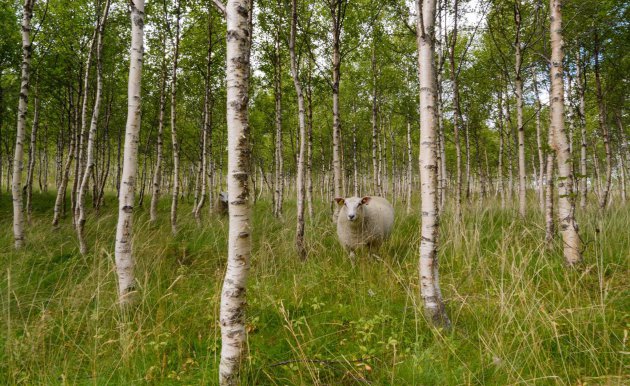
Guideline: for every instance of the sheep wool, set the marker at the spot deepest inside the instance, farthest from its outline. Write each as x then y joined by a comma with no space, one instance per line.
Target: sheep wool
364,222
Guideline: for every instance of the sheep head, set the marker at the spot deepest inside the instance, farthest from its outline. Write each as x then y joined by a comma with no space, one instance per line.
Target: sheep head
354,207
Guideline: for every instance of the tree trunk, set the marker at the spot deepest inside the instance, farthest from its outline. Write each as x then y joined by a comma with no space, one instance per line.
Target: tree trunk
31,160
603,127
309,161
428,267
337,13
409,168
301,193
501,187
16,186
378,188
518,84
541,152
175,192
279,153
124,229
232,314
207,124
583,187
549,223
89,166
456,115
157,171
566,208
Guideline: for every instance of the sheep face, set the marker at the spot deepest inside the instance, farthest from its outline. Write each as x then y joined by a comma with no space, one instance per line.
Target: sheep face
354,207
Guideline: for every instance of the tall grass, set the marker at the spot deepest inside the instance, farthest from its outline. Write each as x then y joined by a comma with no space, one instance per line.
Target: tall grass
519,316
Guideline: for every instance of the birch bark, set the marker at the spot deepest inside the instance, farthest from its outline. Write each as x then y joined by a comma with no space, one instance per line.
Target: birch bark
301,193
566,207
157,172
124,229
175,143
428,265
232,313
89,166
16,185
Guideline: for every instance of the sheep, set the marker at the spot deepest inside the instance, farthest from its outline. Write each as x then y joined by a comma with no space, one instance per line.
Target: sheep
221,205
364,222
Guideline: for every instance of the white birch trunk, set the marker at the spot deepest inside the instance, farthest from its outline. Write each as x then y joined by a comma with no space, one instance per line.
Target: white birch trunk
456,118
300,188
207,123
16,185
232,314
31,160
157,172
175,143
124,228
337,12
518,84
583,187
89,166
566,208
409,168
428,266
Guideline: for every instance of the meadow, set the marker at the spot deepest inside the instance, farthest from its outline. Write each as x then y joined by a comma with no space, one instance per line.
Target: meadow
519,315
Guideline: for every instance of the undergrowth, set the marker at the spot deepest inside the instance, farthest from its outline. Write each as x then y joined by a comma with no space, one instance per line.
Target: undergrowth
519,315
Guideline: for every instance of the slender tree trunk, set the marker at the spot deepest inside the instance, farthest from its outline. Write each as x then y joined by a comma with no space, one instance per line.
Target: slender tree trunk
337,13
175,143
31,160
279,153
518,84
501,185
16,186
309,161
549,223
456,115
541,152
566,206
378,188
583,187
63,185
207,124
105,173
409,167
603,127
89,166
428,267
467,140
157,171
232,314
300,188
124,229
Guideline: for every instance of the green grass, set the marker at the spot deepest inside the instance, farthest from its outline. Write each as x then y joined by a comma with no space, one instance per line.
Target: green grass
519,316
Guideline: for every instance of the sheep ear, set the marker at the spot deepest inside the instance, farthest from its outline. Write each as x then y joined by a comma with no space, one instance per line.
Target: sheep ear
340,201
365,200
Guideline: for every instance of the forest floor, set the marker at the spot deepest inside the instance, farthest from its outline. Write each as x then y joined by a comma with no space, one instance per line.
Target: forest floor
519,316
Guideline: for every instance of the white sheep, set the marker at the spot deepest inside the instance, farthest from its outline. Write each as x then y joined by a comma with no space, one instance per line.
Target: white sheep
364,222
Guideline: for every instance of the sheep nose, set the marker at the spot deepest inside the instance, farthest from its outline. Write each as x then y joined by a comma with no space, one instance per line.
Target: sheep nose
351,217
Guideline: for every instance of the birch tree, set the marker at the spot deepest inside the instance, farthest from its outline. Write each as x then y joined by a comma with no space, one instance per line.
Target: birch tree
428,266
337,14
157,172
90,163
124,228
566,206
16,185
174,140
301,186
232,313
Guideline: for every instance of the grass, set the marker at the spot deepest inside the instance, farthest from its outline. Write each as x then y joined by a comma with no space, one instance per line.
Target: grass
519,316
